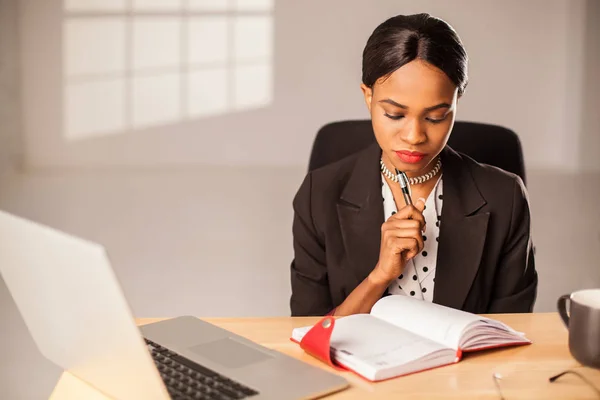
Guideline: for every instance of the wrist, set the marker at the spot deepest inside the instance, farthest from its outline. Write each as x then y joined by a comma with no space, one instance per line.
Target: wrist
378,277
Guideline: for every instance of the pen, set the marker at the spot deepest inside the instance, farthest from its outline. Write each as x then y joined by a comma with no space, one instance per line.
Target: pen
403,179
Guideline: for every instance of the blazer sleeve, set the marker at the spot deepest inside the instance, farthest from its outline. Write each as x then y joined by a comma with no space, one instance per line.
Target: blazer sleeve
516,282
310,286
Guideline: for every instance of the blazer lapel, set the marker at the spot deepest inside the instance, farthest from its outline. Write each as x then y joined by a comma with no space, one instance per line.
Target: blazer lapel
462,233
360,212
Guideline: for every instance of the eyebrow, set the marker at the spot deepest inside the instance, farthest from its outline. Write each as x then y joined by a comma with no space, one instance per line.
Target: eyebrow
432,108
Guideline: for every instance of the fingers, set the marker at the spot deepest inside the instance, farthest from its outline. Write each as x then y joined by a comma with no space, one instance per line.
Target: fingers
420,204
409,247
393,223
410,213
411,253
404,239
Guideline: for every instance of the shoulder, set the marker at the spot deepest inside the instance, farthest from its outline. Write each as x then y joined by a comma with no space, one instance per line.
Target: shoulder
498,187
490,178
327,183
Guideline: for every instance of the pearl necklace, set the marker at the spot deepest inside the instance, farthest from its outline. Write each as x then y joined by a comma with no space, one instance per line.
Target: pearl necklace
415,180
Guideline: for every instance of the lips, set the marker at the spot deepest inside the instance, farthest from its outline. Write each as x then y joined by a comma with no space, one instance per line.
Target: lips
410,157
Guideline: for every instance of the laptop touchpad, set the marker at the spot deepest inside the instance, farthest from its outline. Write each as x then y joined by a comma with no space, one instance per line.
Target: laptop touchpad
229,353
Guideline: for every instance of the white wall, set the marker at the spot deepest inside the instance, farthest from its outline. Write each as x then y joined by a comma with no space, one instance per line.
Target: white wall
528,62
9,85
589,132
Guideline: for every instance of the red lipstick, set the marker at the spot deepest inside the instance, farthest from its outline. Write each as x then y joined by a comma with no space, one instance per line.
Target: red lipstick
410,157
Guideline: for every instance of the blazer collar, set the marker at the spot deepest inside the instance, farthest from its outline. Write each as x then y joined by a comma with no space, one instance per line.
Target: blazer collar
462,232
360,213
459,186
363,188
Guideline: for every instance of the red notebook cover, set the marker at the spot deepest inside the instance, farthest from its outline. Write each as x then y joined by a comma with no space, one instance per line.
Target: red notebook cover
317,341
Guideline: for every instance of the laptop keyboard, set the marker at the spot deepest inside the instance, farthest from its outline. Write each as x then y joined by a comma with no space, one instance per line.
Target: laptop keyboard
187,380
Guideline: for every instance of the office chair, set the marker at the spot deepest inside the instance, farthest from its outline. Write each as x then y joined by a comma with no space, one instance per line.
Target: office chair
486,143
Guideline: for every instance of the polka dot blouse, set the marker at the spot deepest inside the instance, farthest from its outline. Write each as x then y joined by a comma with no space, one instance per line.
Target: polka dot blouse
418,278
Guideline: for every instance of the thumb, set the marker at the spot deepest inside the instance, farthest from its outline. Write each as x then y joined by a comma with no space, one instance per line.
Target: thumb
420,204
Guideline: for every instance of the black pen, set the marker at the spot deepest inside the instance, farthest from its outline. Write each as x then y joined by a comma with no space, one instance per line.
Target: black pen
403,180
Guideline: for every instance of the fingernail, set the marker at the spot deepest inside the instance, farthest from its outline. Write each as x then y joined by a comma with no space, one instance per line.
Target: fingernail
422,199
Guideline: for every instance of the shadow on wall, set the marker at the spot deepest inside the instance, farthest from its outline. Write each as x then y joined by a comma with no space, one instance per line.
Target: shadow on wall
131,65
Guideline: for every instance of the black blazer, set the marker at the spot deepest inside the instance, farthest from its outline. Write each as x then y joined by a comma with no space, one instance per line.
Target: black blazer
485,260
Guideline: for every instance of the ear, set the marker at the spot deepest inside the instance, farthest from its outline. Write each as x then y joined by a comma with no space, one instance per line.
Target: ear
368,93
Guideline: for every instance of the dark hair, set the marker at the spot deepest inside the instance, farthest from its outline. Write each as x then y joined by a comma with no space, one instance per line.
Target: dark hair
404,38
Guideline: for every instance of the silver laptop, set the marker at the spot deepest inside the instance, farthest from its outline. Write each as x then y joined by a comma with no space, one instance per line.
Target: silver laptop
74,308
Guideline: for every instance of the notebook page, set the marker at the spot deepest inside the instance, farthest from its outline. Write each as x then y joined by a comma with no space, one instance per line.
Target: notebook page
368,344
438,323
490,333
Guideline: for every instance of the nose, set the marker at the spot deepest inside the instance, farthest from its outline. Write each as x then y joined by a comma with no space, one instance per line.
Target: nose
414,133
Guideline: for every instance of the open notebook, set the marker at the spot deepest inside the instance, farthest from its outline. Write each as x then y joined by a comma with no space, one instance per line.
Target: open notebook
403,335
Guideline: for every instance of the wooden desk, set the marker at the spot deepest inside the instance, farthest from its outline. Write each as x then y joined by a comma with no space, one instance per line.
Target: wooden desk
525,370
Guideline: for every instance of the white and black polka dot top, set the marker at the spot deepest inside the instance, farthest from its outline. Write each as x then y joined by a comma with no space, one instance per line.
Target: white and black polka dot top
418,278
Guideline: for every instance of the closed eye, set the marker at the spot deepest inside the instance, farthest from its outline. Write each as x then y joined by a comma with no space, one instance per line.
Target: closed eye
436,120
394,117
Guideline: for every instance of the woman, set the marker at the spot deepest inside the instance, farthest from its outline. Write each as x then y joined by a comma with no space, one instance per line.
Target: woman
465,241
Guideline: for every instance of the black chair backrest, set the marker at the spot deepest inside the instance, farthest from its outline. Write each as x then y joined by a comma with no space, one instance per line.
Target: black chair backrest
485,143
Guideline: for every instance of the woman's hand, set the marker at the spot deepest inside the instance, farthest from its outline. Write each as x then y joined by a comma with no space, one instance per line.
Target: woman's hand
401,240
